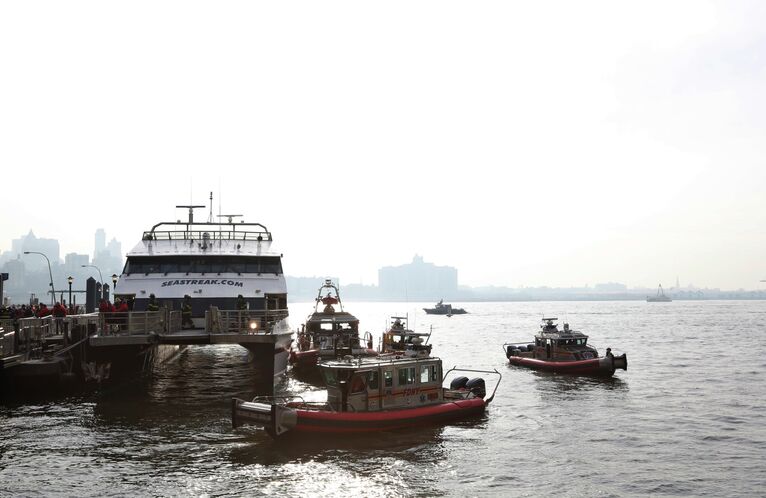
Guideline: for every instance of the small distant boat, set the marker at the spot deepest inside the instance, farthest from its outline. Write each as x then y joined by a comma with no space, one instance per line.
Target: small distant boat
563,351
659,298
444,309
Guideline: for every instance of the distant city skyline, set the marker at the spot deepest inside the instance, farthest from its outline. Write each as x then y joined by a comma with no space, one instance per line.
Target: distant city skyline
111,257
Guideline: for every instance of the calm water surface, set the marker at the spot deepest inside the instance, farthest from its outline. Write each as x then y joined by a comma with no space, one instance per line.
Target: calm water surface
688,418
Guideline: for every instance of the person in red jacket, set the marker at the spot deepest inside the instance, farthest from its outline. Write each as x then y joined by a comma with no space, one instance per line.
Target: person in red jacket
105,307
59,312
121,306
43,311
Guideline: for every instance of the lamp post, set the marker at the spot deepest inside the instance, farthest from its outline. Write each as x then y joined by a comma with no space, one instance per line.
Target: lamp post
70,280
114,283
50,273
100,278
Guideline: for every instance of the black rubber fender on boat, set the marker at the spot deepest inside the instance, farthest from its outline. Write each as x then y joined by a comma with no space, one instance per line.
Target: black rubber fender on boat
458,382
477,387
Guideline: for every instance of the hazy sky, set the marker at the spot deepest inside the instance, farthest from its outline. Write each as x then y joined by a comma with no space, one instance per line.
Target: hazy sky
525,143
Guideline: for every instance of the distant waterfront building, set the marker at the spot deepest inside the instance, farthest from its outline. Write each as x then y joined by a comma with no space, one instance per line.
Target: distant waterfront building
418,280
610,287
107,257
305,288
29,242
73,262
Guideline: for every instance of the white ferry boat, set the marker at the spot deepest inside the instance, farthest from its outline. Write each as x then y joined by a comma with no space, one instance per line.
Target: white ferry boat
228,265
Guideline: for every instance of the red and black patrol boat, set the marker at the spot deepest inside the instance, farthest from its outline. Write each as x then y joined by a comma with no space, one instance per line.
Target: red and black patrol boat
329,333
563,351
372,394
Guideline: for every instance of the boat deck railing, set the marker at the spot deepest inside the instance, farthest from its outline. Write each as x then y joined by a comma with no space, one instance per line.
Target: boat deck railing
210,234
243,321
139,322
295,401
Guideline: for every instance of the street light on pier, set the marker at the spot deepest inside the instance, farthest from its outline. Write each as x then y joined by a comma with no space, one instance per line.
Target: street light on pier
70,280
114,282
50,274
100,278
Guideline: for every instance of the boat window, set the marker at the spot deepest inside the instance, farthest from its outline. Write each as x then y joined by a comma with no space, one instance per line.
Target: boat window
357,384
582,342
406,376
196,264
429,373
373,379
329,377
425,374
388,378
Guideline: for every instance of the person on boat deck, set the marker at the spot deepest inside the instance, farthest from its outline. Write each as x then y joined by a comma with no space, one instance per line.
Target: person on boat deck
153,305
186,311
241,304
120,306
105,306
608,352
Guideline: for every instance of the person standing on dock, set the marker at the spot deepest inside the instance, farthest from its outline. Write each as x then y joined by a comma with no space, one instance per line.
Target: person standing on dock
186,312
59,312
43,311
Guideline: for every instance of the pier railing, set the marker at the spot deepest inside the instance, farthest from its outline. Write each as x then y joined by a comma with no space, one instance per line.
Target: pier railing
7,342
243,321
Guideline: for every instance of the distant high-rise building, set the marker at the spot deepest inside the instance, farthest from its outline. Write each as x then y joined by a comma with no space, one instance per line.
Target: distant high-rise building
100,242
114,248
418,280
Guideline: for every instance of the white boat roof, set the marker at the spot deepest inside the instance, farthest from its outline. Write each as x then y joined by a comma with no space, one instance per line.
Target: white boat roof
357,363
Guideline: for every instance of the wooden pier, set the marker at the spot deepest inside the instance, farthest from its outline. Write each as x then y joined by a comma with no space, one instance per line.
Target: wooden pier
108,347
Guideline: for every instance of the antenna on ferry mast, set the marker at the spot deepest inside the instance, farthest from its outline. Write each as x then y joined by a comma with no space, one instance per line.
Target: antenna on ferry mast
210,216
230,216
191,211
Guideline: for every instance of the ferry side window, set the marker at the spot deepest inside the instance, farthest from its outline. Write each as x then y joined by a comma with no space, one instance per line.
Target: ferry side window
388,378
373,380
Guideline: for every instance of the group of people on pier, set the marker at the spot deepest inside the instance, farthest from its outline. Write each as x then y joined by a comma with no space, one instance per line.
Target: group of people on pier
40,310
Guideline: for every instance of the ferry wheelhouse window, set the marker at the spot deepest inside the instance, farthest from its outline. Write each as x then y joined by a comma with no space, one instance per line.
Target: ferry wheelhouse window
406,376
428,373
197,264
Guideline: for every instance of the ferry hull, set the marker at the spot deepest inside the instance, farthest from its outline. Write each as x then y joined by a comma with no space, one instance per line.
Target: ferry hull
599,367
280,420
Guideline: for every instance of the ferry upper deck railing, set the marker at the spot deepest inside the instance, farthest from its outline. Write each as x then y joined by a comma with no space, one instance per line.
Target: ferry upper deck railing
208,231
243,321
